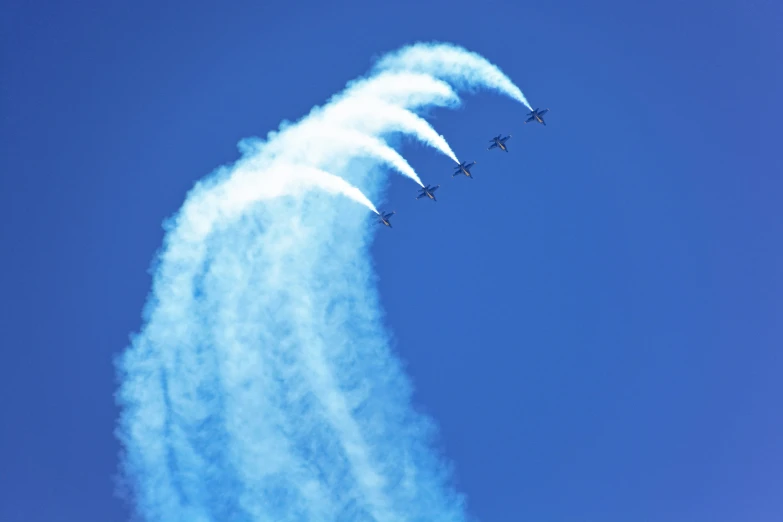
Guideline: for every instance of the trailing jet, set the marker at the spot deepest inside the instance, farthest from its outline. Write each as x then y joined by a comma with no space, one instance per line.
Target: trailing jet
536,115
499,143
429,192
464,168
384,218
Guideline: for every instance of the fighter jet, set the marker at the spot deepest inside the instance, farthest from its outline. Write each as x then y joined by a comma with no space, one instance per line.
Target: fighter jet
499,143
429,192
464,168
536,115
384,218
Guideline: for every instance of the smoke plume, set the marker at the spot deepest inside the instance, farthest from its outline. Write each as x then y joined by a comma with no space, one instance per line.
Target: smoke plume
262,386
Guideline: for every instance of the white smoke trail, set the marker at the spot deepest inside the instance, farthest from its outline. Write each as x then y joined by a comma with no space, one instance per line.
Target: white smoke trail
262,387
454,64
395,120
377,106
328,132
402,88
253,183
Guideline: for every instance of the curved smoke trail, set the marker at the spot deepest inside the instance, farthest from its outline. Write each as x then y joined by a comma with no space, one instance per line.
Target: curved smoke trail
262,387
453,63
378,105
365,144
395,119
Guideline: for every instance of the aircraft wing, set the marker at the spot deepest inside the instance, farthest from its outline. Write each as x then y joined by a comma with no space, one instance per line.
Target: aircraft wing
543,112
494,144
530,119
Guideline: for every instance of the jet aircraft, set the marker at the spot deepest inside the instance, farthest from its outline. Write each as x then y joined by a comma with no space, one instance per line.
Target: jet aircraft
464,168
384,218
536,115
499,143
428,191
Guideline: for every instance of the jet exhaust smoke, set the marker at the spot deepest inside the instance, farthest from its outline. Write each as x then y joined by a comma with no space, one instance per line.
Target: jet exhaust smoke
262,386
396,119
364,144
454,64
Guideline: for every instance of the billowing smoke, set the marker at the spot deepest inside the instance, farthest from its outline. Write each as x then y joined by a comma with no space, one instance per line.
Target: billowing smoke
455,64
262,386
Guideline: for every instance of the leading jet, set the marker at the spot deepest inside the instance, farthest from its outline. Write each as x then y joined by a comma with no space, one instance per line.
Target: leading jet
464,168
384,218
499,143
536,116
429,192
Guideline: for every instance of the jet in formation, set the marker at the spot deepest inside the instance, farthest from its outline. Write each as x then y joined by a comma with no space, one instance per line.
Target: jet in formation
536,116
464,168
499,142
384,218
428,191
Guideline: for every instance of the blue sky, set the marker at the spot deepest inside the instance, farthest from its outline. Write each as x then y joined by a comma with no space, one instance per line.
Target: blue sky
592,321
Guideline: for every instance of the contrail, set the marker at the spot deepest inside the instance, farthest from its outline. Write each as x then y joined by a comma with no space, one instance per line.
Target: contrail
376,106
329,133
402,88
251,184
454,64
379,105
395,120
262,386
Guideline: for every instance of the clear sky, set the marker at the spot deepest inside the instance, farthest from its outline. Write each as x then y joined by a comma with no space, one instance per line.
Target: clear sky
594,321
